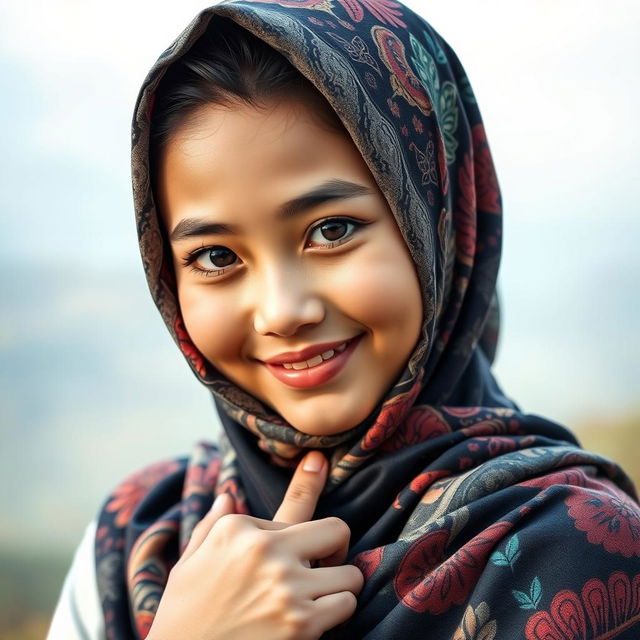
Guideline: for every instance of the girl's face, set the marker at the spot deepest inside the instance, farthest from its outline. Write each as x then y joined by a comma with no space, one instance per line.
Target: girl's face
293,278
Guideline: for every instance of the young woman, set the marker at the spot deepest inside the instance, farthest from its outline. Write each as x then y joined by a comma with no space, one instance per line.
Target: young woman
320,225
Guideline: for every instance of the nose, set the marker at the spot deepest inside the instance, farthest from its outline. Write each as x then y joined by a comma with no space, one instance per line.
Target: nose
285,301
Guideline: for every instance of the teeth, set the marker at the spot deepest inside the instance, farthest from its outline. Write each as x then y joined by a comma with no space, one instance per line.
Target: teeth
316,360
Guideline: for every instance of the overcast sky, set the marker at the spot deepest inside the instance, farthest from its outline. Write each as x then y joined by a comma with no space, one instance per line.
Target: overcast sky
87,366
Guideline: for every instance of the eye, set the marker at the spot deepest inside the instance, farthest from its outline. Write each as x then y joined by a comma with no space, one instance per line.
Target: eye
211,261
332,232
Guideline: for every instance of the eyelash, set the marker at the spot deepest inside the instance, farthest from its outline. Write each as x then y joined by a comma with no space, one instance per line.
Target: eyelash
192,256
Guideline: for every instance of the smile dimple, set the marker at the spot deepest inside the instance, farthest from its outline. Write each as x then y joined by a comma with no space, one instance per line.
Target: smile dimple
316,360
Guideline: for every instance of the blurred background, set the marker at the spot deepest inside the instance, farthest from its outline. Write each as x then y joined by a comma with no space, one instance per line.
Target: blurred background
92,386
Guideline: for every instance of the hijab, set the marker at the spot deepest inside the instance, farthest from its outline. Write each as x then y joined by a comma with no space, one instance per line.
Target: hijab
468,517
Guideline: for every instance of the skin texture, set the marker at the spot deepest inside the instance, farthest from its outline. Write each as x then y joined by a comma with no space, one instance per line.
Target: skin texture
287,283
278,580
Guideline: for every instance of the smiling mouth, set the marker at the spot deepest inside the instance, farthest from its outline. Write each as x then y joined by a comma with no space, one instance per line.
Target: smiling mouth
316,360
315,371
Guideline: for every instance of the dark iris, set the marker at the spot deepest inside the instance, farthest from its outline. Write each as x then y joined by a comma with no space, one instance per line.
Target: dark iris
221,257
333,230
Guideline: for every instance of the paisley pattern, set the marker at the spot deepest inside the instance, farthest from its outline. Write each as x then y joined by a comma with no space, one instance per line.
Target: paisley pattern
469,518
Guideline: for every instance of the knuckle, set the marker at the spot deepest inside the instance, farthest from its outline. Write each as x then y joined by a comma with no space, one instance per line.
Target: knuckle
229,524
258,543
349,601
297,624
300,492
284,598
280,573
358,577
340,526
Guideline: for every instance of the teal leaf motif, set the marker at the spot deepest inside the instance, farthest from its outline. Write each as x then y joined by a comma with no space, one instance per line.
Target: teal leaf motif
536,591
448,116
499,559
523,599
426,69
443,98
435,47
510,555
529,600
513,547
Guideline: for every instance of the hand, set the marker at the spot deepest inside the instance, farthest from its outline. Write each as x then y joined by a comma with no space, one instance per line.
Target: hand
242,577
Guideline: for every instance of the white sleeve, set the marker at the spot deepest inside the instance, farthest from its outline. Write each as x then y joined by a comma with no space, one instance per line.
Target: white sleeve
78,614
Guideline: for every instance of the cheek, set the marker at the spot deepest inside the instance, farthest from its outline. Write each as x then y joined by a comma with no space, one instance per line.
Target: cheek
212,321
380,289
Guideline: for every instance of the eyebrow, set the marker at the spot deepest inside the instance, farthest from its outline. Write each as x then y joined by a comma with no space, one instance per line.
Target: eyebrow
328,191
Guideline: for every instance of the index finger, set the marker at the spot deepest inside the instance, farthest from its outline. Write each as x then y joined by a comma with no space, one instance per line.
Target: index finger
302,494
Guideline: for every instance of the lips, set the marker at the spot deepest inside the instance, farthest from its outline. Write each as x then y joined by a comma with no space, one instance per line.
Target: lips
308,353
312,366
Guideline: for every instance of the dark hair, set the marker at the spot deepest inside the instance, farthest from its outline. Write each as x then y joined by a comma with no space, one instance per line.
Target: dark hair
226,66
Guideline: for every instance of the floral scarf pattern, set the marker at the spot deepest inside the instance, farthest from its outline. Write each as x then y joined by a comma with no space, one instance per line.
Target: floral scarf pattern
470,519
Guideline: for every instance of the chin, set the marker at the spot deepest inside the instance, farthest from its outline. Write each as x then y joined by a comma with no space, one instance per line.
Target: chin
326,420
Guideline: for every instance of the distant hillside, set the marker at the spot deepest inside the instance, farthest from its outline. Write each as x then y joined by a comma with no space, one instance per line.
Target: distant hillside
617,438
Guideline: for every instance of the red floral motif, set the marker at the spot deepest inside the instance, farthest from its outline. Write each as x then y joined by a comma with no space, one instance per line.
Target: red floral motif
572,477
495,445
403,80
427,585
419,485
423,423
188,348
308,4
486,181
127,495
368,561
387,11
608,610
463,412
609,518
393,107
392,413
491,426
464,214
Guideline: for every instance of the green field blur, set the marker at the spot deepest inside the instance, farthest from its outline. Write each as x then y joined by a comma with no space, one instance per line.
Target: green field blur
30,584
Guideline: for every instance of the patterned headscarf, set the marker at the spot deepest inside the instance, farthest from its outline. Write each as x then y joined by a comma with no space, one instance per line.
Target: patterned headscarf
459,504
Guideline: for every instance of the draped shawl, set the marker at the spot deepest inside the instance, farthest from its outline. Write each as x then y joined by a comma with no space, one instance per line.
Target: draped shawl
470,519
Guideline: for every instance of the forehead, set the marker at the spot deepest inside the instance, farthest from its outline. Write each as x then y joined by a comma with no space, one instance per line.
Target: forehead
247,157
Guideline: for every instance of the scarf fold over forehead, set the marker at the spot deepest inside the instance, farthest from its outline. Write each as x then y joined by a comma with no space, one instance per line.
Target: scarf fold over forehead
469,518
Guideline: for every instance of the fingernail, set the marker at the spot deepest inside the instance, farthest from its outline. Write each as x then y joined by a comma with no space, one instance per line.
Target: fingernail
313,462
